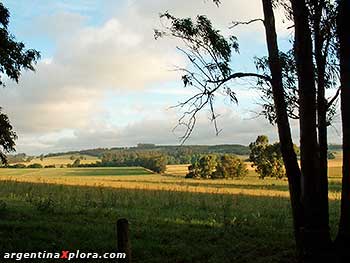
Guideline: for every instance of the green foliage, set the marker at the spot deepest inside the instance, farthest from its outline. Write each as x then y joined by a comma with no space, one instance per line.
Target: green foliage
289,78
7,135
194,170
35,165
17,165
230,167
266,158
207,166
13,58
156,163
167,226
147,159
204,167
146,146
184,154
216,167
76,163
330,155
200,35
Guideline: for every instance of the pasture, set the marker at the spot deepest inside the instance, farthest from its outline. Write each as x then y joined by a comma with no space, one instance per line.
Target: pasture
62,160
172,219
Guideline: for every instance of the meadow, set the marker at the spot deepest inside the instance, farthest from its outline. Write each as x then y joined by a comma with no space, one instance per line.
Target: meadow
172,219
62,160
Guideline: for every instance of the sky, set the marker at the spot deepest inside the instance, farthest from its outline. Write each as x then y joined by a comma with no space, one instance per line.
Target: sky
104,81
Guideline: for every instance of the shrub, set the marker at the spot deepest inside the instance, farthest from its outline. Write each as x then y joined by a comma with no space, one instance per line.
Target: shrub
35,165
18,165
330,156
210,166
230,166
76,163
193,171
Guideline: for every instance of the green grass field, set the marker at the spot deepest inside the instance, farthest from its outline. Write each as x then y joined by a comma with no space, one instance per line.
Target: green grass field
172,219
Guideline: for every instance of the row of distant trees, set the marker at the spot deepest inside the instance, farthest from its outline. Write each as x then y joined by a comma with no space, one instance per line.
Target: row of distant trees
217,167
176,154
266,158
33,165
150,160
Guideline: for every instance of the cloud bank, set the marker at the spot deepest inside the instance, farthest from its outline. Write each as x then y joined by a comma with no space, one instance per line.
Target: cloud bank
107,82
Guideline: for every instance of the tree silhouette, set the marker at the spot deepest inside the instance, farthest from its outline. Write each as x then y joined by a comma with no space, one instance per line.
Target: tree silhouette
13,58
313,66
343,238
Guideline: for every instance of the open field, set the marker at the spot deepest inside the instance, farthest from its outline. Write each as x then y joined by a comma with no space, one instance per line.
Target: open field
173,180
62,160
173,219
166,226
49,173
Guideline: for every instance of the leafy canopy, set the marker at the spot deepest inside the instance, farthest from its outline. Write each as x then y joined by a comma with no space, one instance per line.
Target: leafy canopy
266,158
13,58
217,167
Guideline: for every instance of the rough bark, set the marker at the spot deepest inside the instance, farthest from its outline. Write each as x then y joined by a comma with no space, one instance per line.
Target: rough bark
343,239
316,236
284,132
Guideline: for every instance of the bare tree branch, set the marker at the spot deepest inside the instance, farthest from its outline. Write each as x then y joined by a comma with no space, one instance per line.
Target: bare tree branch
237,23
243,75
333,99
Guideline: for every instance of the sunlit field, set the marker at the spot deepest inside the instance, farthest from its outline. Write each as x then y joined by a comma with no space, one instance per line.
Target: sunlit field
62,160
172,219
172,180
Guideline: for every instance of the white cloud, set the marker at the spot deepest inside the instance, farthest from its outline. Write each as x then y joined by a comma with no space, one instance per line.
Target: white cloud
63,105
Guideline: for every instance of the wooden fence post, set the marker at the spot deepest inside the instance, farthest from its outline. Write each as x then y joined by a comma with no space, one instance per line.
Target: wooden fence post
123,239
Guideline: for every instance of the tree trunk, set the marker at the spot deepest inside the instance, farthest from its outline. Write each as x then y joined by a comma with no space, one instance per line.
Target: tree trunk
284,132
316,236
343,239
320,58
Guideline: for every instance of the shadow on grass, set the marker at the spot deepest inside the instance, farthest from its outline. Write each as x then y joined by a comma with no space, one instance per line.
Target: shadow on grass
165,226
333,186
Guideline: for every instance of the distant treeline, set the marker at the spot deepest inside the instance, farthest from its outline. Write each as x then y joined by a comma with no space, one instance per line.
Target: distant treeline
154,157
33,165
170,150
150,160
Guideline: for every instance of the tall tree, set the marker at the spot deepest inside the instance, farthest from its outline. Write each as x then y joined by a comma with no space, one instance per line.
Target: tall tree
284,132
266,158
13,58
312,62
315,201
343,237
